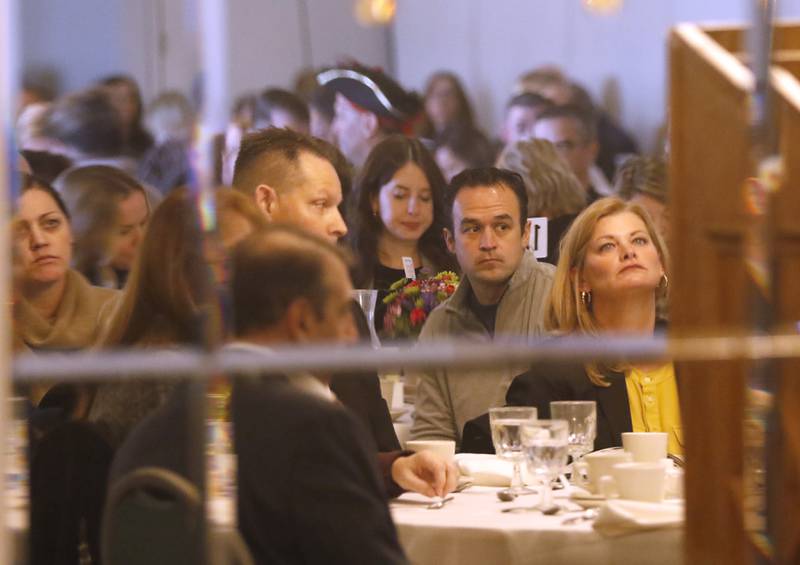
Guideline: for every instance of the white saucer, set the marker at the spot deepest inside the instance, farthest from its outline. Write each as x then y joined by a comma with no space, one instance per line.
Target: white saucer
587,500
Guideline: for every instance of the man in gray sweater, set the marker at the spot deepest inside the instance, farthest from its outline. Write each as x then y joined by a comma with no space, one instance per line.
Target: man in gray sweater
503,293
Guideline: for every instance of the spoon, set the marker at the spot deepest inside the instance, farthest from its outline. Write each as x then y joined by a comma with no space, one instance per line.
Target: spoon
589,514
507,496
549,511
439,503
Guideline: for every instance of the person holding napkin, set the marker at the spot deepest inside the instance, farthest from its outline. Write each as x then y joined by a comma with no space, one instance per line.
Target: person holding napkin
610,274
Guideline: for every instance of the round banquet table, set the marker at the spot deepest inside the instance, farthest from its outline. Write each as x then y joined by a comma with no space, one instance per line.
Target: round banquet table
471,529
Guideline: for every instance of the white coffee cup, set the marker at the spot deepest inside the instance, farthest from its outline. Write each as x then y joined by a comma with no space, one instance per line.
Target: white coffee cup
645,482
597,465
444,447
645,447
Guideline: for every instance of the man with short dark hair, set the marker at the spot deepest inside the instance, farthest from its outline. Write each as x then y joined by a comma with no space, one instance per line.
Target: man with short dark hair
521,113
369,106
573,132
296,180
279,108
503,293
308,486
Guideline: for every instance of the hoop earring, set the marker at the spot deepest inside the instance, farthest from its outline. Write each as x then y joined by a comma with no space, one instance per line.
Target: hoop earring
664,283
586,297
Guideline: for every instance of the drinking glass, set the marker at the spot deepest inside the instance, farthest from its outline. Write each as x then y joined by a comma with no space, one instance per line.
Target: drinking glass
546,443
506,424
367,299
581,418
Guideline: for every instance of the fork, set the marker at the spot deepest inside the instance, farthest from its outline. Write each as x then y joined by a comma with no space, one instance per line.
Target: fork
439,503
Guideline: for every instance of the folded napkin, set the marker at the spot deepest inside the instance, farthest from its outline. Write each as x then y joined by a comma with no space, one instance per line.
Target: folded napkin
619,517
489,470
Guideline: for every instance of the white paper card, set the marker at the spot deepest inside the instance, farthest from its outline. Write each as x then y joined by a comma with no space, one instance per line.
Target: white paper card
538,241
408,267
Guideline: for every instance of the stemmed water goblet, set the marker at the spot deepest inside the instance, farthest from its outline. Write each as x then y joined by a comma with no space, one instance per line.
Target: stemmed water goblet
506,424
546,443
581,418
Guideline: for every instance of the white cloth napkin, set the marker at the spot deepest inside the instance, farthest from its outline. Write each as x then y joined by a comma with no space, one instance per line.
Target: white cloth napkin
489,470
619,517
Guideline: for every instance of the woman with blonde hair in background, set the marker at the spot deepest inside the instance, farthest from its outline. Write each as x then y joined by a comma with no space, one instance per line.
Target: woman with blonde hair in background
110,211
554,192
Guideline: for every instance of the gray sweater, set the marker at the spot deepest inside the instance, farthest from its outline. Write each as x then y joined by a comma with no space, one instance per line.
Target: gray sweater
446,401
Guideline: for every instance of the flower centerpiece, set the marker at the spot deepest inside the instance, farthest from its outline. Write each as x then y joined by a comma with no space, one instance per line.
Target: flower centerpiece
410,301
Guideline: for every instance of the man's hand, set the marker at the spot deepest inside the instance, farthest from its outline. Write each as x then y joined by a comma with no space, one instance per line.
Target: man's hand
426,473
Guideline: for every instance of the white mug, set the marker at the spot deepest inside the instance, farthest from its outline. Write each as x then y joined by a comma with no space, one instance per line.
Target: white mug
597,465
645,482
645,447
444,447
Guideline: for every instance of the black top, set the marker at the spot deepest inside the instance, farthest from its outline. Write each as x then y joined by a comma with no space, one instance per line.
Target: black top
548,381
556,228
486,314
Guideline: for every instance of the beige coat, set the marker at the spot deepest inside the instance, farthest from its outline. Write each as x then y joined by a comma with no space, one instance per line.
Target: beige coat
445,401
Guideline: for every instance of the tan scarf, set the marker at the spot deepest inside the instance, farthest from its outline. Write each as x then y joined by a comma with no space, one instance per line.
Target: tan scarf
79,319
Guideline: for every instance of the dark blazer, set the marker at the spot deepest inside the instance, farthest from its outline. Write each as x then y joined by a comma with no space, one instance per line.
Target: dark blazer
361,393
308,485
546,382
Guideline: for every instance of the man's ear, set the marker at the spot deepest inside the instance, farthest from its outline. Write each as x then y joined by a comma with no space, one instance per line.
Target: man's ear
299,320
594,147
449,240
267,201
369,124
526,235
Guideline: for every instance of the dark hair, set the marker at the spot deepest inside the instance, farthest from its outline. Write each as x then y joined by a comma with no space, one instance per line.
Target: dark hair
272,268
273,99
385,159
529,100
86,121
488,177
45,165
468,144
32,182
138,140
465,115
586,121
323,100
264,157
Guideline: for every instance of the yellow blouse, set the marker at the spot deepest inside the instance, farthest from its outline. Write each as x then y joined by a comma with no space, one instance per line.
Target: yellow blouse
653,400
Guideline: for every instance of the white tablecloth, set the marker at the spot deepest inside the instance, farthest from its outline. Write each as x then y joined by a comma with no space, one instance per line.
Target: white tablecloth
472,529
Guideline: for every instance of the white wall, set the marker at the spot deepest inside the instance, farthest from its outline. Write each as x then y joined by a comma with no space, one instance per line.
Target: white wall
85,39
489,42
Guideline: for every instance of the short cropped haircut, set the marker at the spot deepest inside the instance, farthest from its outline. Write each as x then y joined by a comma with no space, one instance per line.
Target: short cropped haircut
278,99
529,100
489,177
272,268
587,122
271,157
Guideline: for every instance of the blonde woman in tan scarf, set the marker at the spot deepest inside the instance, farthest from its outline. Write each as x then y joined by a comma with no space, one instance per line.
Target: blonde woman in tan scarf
57,309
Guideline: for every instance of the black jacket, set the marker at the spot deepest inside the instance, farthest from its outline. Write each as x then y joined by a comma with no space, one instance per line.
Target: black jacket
308,486
546,382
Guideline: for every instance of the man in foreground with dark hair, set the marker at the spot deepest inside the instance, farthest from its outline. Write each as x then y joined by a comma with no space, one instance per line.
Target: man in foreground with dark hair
503,293
308,487
295,180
